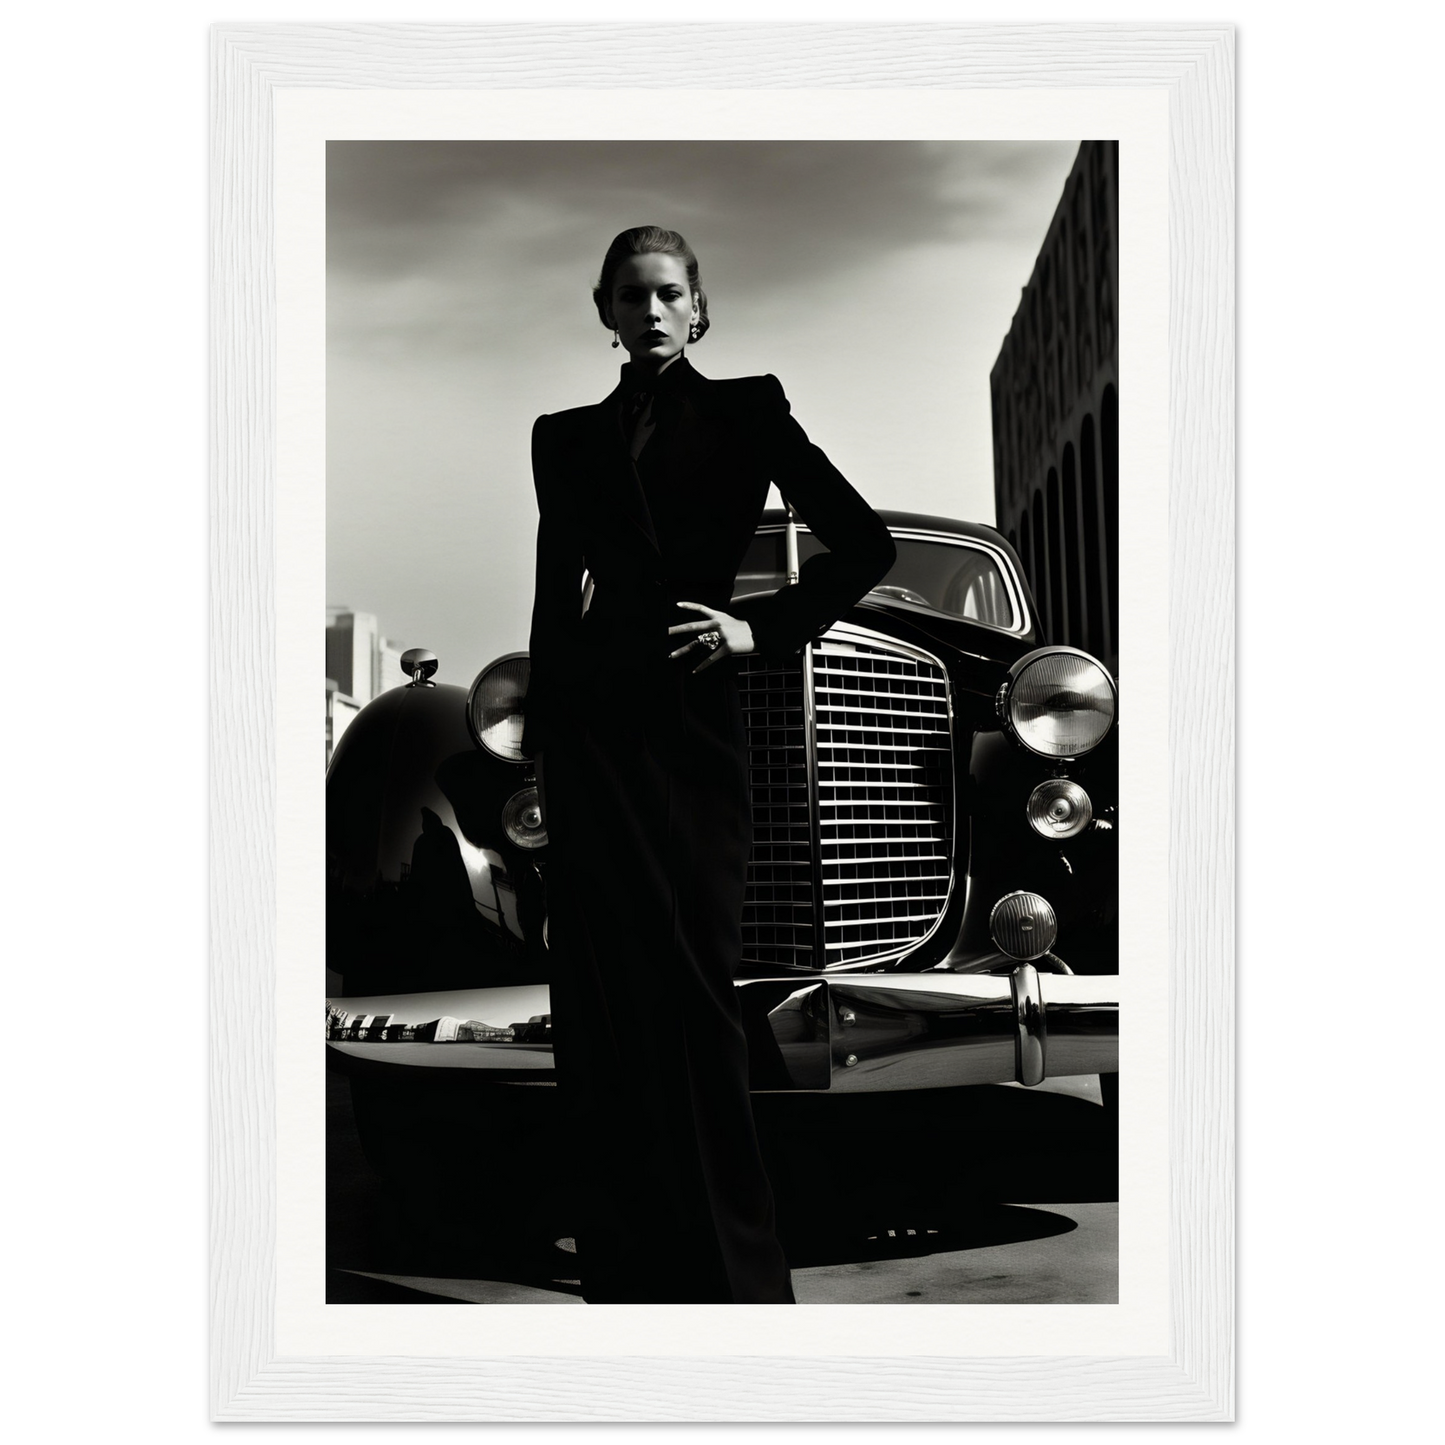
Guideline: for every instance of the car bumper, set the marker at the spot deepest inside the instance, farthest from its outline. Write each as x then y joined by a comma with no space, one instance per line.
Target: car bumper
858,1033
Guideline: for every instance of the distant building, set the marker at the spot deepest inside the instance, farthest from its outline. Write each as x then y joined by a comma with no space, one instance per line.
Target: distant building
388,665
351,647
340,709
361,661
1055,391
360,665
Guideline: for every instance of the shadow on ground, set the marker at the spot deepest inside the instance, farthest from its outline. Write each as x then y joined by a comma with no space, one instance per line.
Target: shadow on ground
854,1198
418,1229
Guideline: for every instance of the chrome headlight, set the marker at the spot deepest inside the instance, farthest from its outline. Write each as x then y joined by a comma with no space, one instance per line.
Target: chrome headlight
494,706
1058,702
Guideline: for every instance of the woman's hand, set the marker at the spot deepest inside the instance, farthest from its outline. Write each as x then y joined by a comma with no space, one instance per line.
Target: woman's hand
737,635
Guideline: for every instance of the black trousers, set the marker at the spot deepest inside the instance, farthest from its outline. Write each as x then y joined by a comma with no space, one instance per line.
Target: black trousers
646,793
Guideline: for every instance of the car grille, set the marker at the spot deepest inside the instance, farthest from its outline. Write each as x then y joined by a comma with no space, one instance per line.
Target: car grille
851,771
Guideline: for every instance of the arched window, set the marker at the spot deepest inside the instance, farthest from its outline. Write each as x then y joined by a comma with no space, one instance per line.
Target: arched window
1058,620
1109,440
1093,552
1041,565
1073,559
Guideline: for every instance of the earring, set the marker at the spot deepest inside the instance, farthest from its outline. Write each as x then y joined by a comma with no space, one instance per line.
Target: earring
694,332
615,341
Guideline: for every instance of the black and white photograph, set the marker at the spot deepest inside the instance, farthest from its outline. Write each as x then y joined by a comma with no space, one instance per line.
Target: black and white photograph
722,686
718,542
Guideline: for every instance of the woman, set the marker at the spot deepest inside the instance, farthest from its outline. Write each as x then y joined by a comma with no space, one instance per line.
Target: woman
634,719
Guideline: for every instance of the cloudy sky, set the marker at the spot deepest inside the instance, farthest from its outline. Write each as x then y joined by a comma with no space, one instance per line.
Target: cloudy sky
875,279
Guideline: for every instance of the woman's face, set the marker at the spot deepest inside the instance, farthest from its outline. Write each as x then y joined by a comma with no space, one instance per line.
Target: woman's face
652,306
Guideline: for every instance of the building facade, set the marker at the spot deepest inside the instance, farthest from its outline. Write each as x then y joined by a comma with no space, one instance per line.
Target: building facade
340,709
1055,391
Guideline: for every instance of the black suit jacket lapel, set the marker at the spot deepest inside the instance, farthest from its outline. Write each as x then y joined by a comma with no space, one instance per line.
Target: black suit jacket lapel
622,487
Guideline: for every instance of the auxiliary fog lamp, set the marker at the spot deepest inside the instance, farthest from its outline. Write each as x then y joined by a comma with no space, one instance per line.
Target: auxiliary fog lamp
1059,808
522,820
1023,925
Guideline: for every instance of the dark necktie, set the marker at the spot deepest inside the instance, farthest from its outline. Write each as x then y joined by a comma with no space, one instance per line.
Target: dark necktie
637,404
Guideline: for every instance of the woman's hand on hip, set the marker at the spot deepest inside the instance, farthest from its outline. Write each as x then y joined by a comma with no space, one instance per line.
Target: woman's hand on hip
736,634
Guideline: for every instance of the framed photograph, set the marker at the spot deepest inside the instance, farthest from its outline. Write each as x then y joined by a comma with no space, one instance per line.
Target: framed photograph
757,503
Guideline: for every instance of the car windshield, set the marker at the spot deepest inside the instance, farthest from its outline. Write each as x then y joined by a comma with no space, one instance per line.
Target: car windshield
954,578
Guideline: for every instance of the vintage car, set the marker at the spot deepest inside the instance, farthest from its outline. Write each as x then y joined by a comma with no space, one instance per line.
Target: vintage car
929,980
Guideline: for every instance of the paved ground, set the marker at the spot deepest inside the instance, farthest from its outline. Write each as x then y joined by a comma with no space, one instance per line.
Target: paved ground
1057,1253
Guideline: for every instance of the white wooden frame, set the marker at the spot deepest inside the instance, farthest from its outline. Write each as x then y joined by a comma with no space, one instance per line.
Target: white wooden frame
1194,1382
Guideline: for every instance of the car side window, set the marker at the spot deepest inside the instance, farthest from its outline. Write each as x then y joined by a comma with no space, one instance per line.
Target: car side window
977,592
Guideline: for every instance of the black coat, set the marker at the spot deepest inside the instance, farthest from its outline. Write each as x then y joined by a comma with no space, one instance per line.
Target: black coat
647,801
592,508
